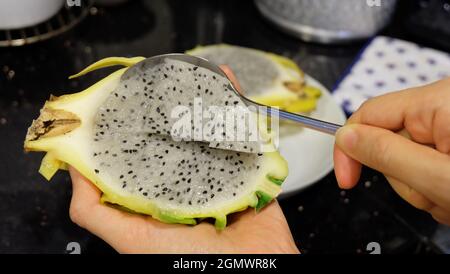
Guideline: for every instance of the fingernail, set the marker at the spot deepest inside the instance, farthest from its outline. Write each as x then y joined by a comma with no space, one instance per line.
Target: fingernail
346,137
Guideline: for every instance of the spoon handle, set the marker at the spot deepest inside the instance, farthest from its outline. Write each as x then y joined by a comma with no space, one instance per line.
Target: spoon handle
308,122
305,121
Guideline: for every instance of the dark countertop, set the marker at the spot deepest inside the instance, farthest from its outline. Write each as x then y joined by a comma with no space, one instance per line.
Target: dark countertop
34,213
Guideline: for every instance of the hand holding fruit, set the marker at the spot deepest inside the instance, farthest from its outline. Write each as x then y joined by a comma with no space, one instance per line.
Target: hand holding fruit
248,231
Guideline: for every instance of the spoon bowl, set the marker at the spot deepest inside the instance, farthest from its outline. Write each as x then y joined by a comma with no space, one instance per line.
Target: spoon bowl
304,121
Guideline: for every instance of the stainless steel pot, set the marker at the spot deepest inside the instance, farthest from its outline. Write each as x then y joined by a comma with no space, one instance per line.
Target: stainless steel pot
328,21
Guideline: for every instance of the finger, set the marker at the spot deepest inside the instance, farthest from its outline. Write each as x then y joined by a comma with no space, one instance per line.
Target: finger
387,111
82,188
85,207
442,135
87,211
441,215
421,167
410,195
419,110
346,169
232,77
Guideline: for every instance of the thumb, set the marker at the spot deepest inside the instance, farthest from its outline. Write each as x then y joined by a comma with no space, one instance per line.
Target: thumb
398,157
110,224
227,70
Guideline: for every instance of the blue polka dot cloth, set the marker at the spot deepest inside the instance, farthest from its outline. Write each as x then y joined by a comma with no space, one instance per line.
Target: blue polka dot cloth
387,65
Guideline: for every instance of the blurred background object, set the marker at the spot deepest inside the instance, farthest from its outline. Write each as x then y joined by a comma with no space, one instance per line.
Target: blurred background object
107,3
25,22
328,21
388,64
24,13
429,20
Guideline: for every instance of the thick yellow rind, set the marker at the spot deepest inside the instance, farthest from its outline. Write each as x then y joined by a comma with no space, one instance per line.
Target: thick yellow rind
73,148
313,91
49,166
286,62
63,166
108,62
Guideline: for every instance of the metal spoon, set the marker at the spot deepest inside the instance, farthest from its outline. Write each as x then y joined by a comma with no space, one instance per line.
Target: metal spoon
305,121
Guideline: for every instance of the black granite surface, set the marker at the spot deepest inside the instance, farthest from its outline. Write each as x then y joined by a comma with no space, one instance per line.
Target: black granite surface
323,219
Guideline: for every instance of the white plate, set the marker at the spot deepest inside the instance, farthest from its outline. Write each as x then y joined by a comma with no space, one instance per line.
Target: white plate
309,153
